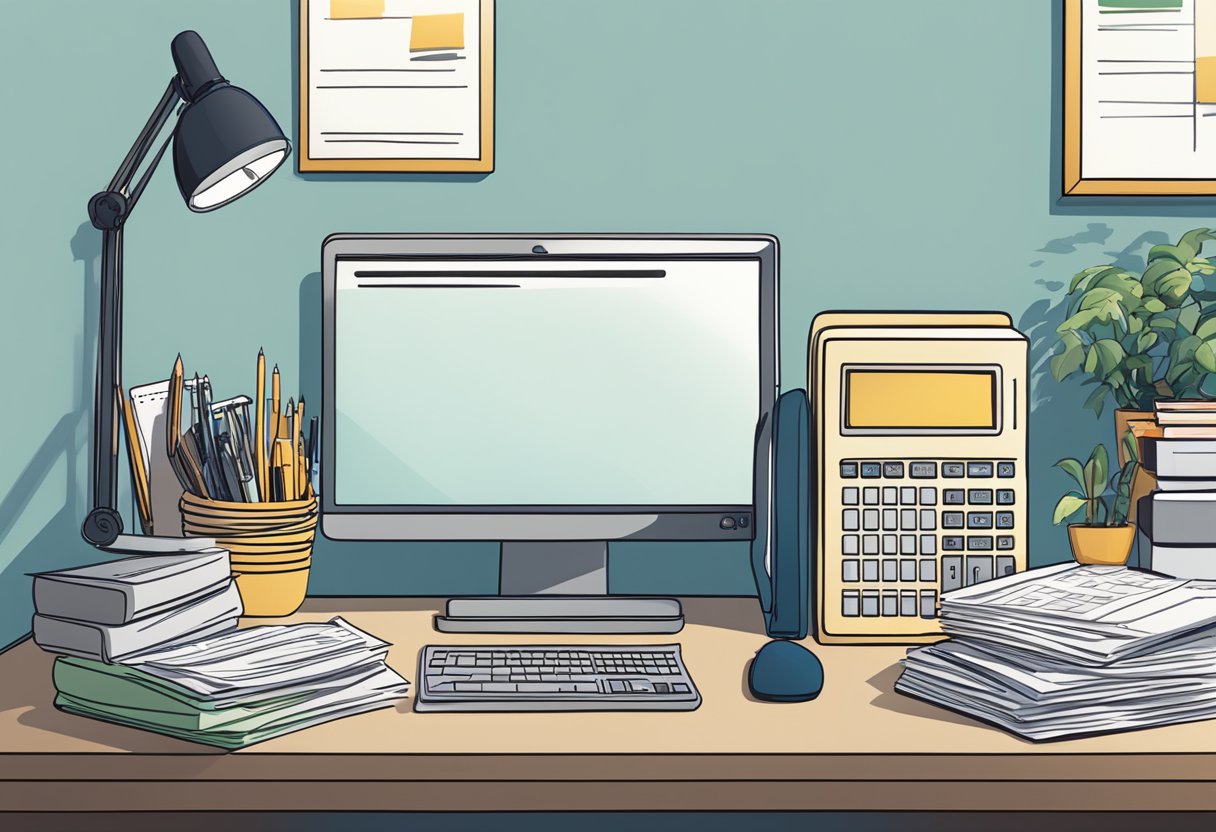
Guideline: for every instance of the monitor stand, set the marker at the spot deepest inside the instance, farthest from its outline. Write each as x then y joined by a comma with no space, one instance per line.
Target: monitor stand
558,587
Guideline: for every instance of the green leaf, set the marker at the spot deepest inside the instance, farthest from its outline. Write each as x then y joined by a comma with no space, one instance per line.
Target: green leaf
1205,357
1174,287
1069,504
1153,305
1207,325
1188,317
1192,242
1109,354
1070,360
1156,270
1072,467
1096,400
1101,463
1144,341
1084,273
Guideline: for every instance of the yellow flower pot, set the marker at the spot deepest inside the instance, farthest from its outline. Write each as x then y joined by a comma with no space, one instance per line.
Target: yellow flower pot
1101,545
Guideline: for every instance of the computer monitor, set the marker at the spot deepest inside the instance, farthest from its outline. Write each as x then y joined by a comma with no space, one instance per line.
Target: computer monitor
553,393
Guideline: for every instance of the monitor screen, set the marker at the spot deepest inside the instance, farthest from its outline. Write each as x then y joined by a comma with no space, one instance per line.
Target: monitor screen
557,383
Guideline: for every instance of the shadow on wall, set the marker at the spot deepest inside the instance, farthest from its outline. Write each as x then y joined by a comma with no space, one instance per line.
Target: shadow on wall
57,473
1060,426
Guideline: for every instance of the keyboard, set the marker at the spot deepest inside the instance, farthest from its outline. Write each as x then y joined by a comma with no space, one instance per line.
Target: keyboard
633,677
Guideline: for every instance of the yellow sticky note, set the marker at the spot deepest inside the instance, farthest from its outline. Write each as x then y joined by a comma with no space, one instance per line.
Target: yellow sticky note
347,9
437,31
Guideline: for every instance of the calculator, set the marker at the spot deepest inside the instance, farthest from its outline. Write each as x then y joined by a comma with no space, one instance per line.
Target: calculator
921,480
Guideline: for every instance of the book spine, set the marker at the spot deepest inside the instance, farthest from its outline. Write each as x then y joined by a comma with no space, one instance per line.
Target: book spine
95,603
1181,522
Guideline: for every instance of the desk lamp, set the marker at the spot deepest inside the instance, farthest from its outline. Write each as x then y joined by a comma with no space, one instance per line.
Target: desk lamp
225,144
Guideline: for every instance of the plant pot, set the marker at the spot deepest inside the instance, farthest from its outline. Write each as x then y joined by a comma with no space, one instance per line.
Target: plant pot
1101,545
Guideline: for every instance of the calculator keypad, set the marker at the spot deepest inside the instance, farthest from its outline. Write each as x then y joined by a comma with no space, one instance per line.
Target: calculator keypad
927,526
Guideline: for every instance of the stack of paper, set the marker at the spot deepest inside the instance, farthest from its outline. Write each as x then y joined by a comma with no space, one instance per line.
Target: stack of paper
238,688
1072,650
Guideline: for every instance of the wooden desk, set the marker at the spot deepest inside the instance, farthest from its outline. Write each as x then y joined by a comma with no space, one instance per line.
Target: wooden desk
859,746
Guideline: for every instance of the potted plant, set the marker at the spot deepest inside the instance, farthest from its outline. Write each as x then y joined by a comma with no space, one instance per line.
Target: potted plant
1106,536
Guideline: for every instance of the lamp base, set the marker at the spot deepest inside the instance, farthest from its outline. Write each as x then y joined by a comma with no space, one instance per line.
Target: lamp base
102,527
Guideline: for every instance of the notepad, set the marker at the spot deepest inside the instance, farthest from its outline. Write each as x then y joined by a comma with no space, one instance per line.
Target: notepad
437,31
354,9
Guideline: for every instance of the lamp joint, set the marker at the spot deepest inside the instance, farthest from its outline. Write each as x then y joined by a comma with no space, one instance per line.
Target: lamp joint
107,210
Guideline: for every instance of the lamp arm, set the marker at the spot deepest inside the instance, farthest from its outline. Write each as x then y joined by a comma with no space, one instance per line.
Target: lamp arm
107,211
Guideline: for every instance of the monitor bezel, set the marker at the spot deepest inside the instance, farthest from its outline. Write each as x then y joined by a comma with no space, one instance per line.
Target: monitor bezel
545,522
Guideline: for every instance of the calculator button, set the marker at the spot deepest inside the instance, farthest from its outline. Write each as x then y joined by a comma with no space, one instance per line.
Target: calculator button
848,520
979,569
952,572
952,544
850,571
890,496
890,603
869,519
1005,470
869,496
928,570
979,519
928,603
907,496
871,470
928,519
869,544
907,602
1004,496
1004,519
849,606
869,570
953,470
890,544
890,519
849,496
979,543
1004,542
928,544
907,519
848,544
954,497
848,470
923,470
907,544
890,570
1005,566
907,570
952,519
979,469
979,496
928,496
869,602
893,470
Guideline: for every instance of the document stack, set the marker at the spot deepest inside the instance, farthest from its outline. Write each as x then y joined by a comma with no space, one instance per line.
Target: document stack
1177,523
109,611
238,688
1067,651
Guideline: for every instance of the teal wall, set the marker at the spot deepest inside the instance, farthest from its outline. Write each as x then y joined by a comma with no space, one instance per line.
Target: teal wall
904,153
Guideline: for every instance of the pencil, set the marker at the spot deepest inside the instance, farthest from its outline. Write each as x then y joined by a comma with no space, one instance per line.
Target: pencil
261,473
135,455
297,442
173,410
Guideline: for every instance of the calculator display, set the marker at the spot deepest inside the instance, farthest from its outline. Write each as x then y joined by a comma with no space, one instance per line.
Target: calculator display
920,399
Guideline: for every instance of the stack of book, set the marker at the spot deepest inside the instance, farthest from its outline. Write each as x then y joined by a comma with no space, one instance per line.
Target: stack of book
1177,523
109,611
1067,651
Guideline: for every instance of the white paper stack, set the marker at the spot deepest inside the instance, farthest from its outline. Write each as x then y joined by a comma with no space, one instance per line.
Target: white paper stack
1072,650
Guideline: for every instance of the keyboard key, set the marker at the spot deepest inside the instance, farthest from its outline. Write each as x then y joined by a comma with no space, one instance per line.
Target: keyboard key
923,470
890,570
952,572
1005,566
1004,542
1004,496
869,570
890,496
848,470
979,519
907,570
979,569
869,496
850,603
928,570
890,544
907,603
928,496
952,519
869,544
850,571
928,603
954,497
890,604
928,520
869,519
979,543
869,602
848,544
1005,470
907,496
890,519
928,544
979,469
979,496
871,470
893,470
953,470
952,544
907,544
1004,519
907,519
848,520
849,496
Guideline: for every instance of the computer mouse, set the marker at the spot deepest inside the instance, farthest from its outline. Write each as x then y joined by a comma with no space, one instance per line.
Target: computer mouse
783,671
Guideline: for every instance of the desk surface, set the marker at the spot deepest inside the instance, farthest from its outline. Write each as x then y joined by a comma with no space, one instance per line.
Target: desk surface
860,745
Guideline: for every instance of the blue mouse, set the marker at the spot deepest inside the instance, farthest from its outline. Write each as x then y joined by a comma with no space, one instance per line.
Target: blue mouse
785,672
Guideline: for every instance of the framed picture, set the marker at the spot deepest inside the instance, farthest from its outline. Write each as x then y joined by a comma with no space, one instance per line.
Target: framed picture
396,86
1139,97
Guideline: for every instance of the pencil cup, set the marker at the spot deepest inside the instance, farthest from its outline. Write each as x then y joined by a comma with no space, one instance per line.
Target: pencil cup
270,545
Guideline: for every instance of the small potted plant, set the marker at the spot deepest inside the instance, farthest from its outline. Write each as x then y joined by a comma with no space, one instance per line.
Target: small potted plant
1106,536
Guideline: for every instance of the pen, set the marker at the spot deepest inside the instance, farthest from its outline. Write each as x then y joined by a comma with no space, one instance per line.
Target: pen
259,428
